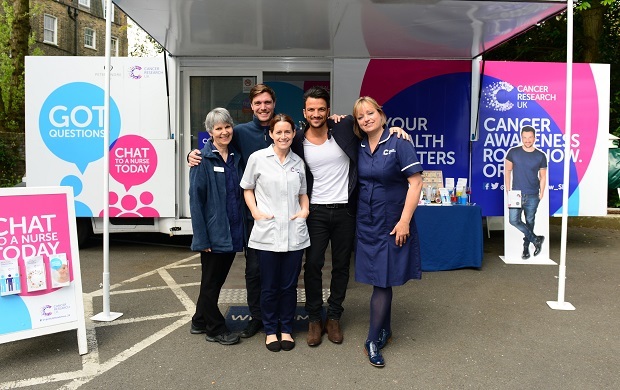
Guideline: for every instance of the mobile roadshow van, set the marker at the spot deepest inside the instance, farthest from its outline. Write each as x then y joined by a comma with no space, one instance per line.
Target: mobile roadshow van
421,59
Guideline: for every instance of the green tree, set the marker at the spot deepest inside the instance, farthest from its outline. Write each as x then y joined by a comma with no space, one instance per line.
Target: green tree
596,38
141,44
14,42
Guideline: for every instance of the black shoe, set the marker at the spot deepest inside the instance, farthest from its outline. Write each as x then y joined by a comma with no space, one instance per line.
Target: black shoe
196,330
273,346
225,338
253,327
526,254
538,244
287,345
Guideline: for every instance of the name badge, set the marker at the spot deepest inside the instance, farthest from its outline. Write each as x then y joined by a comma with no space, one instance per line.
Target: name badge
218,169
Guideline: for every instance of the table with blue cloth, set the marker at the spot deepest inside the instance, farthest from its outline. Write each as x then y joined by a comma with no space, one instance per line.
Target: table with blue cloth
450,236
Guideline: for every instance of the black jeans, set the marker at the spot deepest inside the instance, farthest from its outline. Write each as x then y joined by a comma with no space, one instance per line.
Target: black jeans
252,279
325,225
215,268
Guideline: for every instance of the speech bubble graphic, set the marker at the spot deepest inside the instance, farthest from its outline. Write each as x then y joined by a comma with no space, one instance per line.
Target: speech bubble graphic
133,160
71,123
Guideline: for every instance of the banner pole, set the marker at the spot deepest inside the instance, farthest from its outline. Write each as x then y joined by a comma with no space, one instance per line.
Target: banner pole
106,315
560,304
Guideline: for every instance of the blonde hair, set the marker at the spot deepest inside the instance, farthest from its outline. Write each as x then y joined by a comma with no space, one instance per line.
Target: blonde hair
366,100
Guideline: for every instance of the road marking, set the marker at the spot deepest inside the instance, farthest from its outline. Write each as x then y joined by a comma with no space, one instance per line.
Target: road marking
92,367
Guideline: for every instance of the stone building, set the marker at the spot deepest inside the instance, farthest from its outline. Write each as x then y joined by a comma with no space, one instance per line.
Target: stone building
76,28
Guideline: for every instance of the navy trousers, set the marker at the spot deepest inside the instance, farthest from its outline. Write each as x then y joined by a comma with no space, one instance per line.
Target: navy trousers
279,273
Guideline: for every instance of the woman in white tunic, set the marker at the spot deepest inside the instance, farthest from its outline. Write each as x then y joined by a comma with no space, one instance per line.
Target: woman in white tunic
275,192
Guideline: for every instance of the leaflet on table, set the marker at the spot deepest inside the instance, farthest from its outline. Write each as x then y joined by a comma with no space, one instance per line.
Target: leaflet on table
9,277
450,183
445,197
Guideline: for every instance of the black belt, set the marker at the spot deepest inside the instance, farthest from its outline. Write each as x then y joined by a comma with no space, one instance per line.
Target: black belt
333,205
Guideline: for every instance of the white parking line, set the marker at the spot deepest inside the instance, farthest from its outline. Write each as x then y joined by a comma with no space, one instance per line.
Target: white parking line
91,366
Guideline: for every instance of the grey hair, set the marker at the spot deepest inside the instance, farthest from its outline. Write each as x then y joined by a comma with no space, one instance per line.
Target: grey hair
216,116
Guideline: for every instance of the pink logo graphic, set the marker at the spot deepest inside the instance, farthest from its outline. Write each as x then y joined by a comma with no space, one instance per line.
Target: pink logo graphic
129,207
133,160
135,72
46,311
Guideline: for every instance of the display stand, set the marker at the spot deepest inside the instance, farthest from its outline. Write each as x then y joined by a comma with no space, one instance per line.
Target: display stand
513,238
38,238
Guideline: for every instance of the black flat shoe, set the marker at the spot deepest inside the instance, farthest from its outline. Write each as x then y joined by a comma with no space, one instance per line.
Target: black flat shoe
273,346
287,345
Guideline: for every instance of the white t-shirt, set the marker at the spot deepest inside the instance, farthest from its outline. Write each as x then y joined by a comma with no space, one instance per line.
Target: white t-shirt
330,167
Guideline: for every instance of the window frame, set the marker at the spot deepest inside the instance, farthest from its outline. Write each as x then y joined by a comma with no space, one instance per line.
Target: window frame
103,6
54,31
114,47
93,37
84,3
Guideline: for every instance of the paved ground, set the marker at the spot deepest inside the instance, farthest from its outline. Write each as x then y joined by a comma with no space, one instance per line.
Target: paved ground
478,329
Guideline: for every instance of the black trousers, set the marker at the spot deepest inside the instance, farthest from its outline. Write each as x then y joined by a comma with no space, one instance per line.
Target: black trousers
215,268
252,279
325,225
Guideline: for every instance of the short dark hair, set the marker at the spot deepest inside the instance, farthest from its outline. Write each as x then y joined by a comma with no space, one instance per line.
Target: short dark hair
528,129
316,93
262,88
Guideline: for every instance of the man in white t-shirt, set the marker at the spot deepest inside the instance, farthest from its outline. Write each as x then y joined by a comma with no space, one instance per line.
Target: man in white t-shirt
330,151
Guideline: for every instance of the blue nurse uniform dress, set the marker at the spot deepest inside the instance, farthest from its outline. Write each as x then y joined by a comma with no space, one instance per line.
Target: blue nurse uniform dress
382,191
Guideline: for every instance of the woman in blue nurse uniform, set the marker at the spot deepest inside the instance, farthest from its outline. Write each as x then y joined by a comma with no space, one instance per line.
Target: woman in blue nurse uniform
388,250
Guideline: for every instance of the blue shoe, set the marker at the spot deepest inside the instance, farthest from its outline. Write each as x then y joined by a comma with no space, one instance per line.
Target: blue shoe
374,354
384,338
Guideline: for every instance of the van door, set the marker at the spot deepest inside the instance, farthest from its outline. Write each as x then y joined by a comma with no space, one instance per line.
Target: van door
204,90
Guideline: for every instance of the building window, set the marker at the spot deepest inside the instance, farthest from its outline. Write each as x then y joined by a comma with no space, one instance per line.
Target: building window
85,3
89,38
104,5
50,24
114,47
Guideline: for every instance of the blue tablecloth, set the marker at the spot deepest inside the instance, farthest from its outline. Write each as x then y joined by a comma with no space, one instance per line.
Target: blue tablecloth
450,236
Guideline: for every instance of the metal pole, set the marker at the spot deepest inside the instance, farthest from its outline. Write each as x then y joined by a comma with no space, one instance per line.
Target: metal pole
560,304
106,315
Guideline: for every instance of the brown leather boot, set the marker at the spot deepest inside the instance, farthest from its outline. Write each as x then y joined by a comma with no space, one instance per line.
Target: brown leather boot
315,332
334,333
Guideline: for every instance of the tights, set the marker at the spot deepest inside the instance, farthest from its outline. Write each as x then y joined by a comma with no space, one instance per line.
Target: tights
380,311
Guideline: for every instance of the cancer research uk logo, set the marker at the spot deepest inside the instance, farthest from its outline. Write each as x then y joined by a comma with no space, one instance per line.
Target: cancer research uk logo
46,311
501,95
71,123
496,96
137,72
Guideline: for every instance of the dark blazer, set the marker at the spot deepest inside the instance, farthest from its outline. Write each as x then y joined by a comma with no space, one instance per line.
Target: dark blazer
347,140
